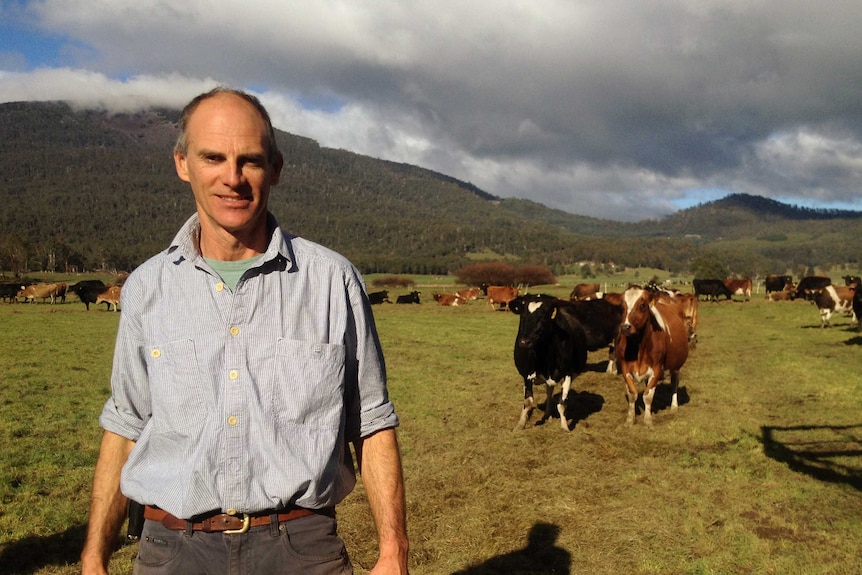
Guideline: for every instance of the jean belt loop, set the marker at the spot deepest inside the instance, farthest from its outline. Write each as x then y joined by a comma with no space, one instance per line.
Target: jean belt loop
274,525
189,529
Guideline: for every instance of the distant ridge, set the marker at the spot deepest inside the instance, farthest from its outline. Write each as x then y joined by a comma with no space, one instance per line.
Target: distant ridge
83,190
767,207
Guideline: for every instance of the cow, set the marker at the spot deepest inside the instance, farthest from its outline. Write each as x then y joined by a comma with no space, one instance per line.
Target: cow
43,291
739,287
688,303
449,299
412,297
585,291
774,283
110,296
808,285
469,293
9,291
379,297
833,299
551,346
500,296
711,288
88,291
600,319
785,295
653,339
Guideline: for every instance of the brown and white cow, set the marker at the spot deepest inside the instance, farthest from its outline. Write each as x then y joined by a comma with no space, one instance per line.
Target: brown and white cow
42,291
653,339
833,299
500,296
449,299
110,296
470,293
739,287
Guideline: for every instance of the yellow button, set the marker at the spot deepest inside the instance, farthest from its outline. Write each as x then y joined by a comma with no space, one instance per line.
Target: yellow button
234,330
219,286
156,353
232,420
233,374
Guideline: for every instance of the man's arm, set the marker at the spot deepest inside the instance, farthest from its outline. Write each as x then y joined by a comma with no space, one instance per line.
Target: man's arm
107,504
380,466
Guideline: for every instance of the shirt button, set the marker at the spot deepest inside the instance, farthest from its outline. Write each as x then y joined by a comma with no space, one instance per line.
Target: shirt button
233,374
234,331
156,353
232,420
219,287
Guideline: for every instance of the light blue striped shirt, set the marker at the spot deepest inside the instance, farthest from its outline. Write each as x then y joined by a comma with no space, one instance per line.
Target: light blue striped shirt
245,400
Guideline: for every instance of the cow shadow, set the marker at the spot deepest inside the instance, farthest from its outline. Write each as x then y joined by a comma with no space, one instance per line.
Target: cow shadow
854,340
579,406
829,453
31,554
541,556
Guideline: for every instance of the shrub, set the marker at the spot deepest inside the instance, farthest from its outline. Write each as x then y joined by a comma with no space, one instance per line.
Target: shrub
393,282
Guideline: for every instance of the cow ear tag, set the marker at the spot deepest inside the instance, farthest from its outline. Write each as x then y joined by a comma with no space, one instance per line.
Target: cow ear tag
554,314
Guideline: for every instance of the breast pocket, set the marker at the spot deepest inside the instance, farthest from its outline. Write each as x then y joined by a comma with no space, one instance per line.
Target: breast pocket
309,386
175,385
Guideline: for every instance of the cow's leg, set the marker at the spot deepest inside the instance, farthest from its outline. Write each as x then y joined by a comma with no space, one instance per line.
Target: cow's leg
632,397
550,384
612,361
529,402
561,405
649,394
674,384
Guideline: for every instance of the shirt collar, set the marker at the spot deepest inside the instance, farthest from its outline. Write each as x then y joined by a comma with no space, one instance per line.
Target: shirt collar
186,244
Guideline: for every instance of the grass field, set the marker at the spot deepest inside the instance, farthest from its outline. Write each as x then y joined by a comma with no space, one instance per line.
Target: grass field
760,470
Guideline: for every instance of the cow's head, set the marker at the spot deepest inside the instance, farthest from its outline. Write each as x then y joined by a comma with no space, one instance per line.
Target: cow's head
638,310
537,312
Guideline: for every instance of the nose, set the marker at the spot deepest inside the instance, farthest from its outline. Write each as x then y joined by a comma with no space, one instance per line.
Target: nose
233,175
626,329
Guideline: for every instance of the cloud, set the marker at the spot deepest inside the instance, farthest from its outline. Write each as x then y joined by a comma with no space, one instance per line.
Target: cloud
614,109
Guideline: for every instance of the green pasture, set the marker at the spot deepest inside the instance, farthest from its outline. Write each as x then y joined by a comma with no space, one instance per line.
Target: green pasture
760,470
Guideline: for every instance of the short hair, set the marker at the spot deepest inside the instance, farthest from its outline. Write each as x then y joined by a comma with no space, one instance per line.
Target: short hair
182,144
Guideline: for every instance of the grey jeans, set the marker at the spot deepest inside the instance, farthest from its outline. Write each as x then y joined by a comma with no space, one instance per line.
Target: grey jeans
304,546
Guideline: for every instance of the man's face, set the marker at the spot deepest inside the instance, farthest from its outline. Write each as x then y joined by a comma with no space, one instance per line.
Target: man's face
226,163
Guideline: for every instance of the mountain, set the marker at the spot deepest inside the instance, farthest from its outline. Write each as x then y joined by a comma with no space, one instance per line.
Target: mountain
87,189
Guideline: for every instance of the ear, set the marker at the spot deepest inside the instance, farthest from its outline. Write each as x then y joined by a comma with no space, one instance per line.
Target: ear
181,165
276,170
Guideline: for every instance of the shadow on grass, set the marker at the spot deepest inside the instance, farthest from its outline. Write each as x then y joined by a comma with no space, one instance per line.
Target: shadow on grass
33,553
541,556
579,406
828,453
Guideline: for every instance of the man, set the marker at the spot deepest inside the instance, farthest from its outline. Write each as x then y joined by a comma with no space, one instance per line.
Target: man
246,360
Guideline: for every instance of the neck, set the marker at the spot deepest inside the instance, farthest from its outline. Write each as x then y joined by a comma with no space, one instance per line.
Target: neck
226,246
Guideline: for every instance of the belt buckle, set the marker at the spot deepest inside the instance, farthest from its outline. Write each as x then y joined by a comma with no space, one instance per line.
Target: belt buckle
246,523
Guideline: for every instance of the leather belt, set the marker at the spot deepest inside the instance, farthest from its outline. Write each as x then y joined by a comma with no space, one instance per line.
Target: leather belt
227,523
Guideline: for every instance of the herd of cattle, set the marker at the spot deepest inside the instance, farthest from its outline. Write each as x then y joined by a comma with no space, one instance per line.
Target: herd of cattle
648,330
88,291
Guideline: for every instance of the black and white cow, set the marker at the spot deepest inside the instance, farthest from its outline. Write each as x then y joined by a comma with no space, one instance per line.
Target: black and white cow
551,346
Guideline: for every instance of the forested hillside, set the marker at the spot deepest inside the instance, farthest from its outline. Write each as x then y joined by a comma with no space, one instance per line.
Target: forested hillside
84,190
